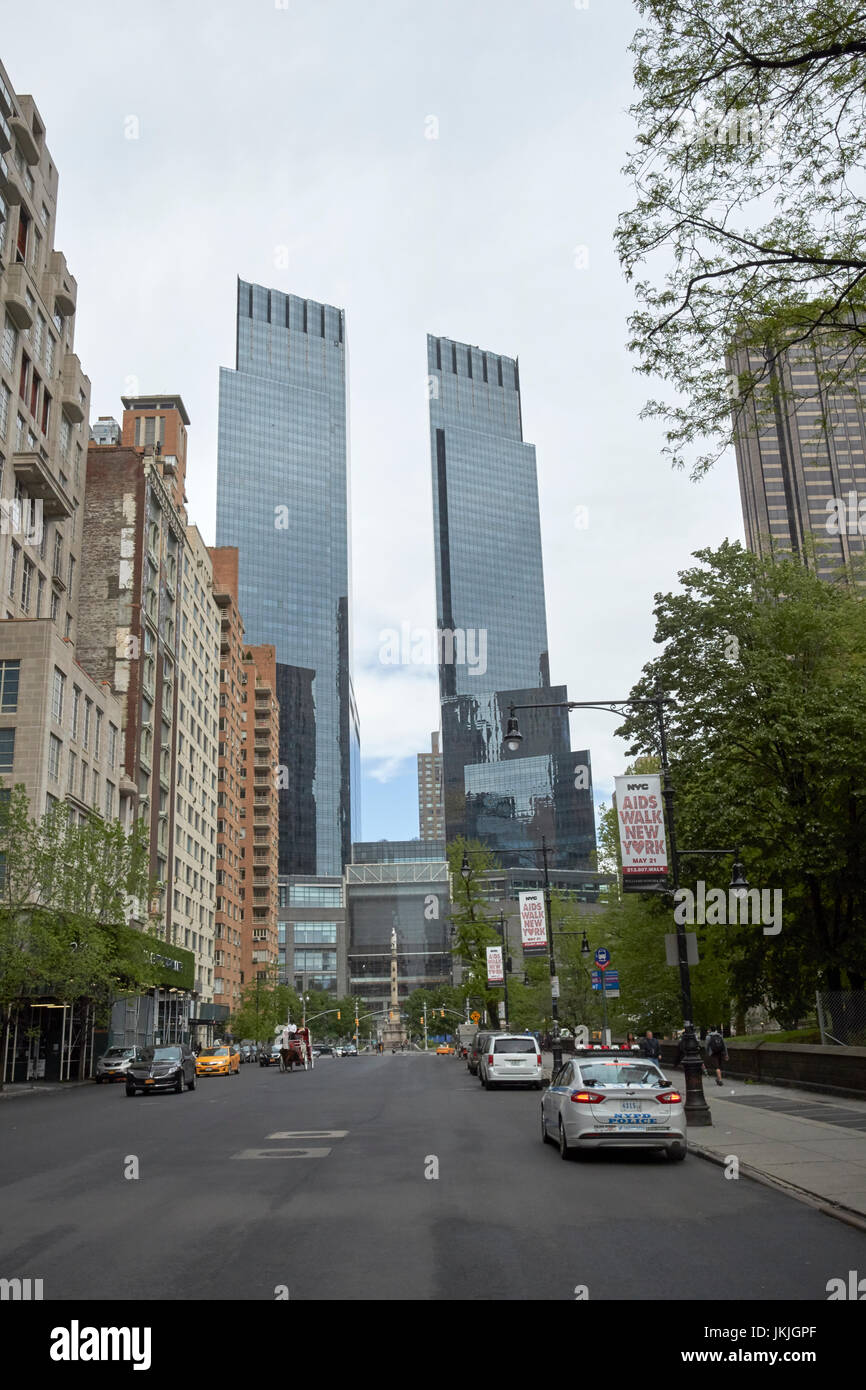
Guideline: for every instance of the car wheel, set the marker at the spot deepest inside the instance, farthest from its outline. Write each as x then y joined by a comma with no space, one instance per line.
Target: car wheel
564,1150
178,1085
130,1090
191,1086
99,1080
545,1137
676,1153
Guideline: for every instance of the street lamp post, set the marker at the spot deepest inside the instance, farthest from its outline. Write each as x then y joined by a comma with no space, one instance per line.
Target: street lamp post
697,1110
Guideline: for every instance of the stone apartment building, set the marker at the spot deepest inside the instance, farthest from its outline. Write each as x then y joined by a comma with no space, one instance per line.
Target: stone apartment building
248,825
150,627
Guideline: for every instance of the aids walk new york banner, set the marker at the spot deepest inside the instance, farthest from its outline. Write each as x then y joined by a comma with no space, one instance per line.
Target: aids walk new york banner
533,928
641,832
495,967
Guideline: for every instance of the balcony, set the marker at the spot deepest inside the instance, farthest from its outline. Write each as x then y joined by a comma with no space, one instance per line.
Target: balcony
59,288
5,135
34,474
17,290
7,105
26,139
72,388
10,184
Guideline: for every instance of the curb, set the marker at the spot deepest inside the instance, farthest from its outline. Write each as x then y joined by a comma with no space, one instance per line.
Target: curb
52,1090
800,1194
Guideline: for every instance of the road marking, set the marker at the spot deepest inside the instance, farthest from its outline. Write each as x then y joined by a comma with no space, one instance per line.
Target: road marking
282,1153
309,1134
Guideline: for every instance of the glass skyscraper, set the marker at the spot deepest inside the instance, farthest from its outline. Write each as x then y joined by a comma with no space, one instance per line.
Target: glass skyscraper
492,622
283,500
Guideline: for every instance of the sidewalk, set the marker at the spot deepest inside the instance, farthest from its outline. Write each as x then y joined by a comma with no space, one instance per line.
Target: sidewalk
811,1146
40,1088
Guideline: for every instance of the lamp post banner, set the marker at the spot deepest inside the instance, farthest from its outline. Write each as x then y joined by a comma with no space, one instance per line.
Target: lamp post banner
641,822
533,930
495,968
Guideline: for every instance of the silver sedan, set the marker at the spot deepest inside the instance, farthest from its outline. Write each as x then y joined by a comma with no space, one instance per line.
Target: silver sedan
602,1100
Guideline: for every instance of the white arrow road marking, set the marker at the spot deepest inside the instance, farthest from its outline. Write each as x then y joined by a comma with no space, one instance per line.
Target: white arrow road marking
282,1153
309,1134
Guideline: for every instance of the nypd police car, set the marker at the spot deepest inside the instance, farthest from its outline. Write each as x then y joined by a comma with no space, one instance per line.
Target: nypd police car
612,1098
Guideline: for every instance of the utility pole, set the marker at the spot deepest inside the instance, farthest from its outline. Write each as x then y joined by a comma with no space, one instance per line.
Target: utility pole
554,983
425,1025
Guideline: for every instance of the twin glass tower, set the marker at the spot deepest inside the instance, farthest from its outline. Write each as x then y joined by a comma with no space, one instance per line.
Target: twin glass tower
283,500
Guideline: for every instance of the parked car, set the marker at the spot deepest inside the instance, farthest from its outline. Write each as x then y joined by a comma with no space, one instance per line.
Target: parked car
325,1051
445,1050
114,1064
599,1100
218,1061
478,1044
164,1068
248,1052
510,1059
269,1056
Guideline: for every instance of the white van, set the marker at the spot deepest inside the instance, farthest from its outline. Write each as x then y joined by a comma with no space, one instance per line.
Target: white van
510,1059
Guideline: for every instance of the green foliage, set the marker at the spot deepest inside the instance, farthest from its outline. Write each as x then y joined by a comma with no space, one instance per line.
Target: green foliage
472,917
767,664
750,146
265,1006
66,897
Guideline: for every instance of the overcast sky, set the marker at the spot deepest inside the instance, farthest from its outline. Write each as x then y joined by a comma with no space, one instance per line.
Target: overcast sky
290,143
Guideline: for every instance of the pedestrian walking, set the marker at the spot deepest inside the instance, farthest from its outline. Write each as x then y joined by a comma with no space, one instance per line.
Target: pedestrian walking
717,1052
650,1045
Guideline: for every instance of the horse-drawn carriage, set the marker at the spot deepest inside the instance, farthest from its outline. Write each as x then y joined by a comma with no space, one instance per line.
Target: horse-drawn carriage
295,1049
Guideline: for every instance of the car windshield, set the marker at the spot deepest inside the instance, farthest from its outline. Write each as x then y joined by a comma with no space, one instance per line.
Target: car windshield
514,1045
161,1054
114,1052
613,1073
214,1052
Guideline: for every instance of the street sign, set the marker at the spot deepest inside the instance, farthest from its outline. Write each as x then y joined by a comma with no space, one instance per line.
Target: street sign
602,957
596,977
611,979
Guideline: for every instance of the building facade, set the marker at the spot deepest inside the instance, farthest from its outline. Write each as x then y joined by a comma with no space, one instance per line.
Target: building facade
283,500
492,622
802,474
431,812
413,898
313,936
150,628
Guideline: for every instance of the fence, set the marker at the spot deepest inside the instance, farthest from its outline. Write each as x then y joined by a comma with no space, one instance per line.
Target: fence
842,1016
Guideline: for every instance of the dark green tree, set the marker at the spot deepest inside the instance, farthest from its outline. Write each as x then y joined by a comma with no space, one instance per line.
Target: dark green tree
751,140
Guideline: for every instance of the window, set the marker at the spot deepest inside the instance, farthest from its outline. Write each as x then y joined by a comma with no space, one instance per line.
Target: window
5,398
7,749
70,574
58,554
57,696
88,713
55,606
71,771
112,746
76,705
95,796
23,228
84,771
40,594
97,733
13,568
9,344
54,747
27,583
109,800
9,675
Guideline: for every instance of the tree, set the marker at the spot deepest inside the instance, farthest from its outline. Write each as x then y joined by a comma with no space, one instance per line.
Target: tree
265,1006
747,168
471,917
65,900
767,664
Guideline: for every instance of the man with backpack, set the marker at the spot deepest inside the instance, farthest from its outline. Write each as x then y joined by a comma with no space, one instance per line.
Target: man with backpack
717,1052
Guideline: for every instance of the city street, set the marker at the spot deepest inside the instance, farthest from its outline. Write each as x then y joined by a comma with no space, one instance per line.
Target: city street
316,1181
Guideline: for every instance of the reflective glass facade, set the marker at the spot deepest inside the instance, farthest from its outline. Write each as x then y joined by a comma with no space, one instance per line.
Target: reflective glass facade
490,594
282,499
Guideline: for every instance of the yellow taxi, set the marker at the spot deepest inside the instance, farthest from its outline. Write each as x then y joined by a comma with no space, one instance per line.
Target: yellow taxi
218,1061
445,1050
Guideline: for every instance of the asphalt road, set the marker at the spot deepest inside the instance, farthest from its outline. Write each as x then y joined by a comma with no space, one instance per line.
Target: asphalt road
341,1208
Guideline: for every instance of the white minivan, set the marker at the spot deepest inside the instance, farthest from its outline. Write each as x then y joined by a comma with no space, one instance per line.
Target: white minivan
510,1059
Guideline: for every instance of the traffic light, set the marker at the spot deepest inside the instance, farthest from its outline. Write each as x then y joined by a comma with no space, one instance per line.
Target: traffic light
339,1015
442,1012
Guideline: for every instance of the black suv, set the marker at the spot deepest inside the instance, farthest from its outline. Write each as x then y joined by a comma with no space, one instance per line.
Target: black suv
163,1068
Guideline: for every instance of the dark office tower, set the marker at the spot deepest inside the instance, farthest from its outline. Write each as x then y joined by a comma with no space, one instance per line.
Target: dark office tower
803,473
492,623
283,500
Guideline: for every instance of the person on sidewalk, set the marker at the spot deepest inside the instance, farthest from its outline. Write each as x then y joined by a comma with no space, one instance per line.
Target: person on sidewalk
650,1045
681,1052
717,1052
